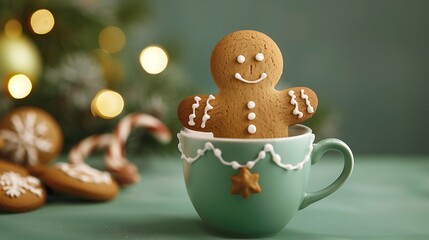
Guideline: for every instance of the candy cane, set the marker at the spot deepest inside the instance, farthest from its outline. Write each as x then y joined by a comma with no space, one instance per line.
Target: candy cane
124,171
80,151
78,169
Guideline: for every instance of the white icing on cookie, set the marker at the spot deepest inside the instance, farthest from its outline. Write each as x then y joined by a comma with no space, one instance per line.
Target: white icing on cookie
206,110
14,185
310,108
295,103
251,129
251,105
276,158
26,138
85,173
259,57
241,59
194,107
251,116
239,77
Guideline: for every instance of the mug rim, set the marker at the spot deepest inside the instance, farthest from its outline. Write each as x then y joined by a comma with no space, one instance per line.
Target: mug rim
207,136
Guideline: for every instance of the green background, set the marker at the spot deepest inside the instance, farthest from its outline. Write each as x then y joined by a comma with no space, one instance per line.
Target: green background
367,60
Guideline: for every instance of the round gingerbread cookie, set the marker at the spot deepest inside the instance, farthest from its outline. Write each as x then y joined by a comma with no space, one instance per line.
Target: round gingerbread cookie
30,137
81,180
19,192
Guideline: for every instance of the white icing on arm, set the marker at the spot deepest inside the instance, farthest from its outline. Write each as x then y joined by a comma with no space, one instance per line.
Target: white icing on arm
295,103
310,108
206,110
194,106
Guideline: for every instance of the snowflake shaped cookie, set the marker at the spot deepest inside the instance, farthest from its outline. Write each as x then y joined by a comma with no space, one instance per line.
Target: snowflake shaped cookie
85,173
14,185
26,138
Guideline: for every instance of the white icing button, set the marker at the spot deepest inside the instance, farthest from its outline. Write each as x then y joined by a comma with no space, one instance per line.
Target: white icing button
251,129
251,116
251,105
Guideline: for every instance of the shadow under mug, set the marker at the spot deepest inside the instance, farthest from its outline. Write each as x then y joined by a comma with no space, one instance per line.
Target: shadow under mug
283,165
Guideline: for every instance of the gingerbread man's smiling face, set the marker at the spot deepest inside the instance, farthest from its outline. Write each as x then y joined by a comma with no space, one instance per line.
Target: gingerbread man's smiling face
246,59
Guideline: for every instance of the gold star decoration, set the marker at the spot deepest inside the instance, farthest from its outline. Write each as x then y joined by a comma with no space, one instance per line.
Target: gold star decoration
245,183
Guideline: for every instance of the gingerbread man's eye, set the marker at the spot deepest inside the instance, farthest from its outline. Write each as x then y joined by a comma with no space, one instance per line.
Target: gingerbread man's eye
259,57
241,59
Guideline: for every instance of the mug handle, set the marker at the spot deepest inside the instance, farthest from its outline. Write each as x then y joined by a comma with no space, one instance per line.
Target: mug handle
319,149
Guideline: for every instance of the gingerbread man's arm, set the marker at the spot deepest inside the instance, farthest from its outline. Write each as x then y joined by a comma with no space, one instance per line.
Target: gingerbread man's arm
302,104
194,112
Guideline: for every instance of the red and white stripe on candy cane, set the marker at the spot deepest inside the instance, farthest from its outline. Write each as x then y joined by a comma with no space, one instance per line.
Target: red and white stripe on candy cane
115,157
116,162
80,151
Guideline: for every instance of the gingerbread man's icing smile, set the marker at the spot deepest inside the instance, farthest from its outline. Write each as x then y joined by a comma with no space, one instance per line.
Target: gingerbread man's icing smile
241,59
246,66
239,77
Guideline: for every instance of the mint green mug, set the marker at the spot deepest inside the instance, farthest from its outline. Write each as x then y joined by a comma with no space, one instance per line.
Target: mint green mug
253,187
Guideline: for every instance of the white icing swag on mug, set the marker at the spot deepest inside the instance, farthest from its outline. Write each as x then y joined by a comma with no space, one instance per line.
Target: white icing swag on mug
276,158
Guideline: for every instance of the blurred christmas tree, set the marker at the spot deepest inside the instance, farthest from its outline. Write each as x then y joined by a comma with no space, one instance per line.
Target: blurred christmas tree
79,60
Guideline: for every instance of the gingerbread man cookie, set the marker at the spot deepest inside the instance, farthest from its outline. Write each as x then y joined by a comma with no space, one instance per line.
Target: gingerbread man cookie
246,66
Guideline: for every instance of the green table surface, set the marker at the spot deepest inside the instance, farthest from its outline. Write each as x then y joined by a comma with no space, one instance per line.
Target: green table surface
387,197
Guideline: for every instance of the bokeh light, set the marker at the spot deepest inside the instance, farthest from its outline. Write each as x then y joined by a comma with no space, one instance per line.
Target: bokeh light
19,55
112,39
107,104
42,21
153,59
13,28
19,86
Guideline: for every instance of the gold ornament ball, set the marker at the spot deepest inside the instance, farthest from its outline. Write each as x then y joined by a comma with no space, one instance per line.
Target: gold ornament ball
19,55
